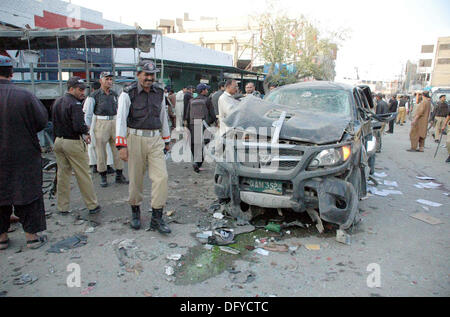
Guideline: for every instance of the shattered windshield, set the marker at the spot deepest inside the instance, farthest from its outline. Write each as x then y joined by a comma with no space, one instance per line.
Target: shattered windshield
314,100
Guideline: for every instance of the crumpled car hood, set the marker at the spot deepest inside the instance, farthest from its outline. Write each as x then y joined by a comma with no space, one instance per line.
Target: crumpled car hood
304,126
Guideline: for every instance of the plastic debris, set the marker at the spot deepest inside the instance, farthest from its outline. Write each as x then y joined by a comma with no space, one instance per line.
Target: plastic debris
429,185
380,175
428,203
229,250
312,247
174,257
274,227
276,247
25,279
343,237
169,270
70,243
391,183
90,230
170,213
218,215
262,251
426,218
425,178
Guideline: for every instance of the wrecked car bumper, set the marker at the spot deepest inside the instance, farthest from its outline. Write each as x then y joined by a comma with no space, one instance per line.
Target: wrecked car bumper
326,188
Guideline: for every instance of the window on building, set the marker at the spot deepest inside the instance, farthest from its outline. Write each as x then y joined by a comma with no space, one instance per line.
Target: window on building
425,63
444,47
427,48
226,47
211,46
444,61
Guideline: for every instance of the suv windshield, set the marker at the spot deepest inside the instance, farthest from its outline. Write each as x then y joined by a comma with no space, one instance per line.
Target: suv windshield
314,100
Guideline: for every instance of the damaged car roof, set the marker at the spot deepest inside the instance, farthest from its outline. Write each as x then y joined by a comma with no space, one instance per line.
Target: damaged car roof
317,127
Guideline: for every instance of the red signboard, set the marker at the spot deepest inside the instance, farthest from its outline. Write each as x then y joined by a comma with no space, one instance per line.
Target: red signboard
56,21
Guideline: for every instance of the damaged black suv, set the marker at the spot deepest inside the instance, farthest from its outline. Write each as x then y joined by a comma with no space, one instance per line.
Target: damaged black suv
305,147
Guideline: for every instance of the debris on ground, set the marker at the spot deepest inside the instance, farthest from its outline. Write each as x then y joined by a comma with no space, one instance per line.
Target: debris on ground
276,247
229,250
312,247
426,218
274,227
29,278
380,175
91,287
294,224
262,251
76,241
169,270
243,229
425,178
391,183
170,213
174,257
343,237
428,203
90,230
147,294
173,245
221,237
218,215
430,185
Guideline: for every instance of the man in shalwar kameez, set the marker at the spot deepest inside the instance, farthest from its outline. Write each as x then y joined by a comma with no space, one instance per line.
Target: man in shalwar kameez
419,124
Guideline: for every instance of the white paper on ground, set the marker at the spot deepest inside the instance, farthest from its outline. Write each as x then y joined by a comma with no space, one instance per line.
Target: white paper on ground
430,185
392,192
425,178
391,183
382,174
262,251
428,203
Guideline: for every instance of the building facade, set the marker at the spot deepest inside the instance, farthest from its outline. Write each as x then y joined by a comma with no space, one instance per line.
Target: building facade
441,70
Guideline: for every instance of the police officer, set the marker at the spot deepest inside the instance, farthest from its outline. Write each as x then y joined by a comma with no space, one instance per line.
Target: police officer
103,103
199,108
72,137
142,128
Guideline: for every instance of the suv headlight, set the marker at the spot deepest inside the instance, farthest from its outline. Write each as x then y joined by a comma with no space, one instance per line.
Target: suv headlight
331,157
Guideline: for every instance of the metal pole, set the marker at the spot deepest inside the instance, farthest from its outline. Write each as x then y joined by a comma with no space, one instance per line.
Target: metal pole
88,75
162,60
59,68
112,58
31,68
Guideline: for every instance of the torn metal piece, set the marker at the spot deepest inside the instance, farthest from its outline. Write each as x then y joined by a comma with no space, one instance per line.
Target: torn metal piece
316,218
343,237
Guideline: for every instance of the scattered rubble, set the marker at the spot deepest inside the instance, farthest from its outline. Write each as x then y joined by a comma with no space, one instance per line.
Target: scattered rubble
426,218
76,241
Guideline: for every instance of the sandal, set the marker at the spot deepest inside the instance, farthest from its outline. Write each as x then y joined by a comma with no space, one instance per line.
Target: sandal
36,244
4,244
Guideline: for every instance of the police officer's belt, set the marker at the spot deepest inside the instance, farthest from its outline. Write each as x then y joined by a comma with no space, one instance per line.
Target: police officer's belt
106,117
145,133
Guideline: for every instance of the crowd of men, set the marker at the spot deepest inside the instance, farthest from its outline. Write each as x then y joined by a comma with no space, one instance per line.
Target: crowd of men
98,130
423,117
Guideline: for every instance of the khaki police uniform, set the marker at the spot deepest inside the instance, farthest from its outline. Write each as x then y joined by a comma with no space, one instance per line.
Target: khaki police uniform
142,126
71,152
104,106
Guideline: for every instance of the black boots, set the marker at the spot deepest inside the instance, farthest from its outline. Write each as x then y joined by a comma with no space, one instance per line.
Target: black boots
120,179
135,217
104,181
158,223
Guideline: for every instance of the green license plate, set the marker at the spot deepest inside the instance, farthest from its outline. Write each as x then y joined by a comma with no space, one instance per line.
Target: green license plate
267,187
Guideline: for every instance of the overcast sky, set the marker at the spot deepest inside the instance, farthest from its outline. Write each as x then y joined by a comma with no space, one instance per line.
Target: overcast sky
383,35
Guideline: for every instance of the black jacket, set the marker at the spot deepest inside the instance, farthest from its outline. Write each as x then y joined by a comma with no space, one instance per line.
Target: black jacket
22,116
68,118
393,104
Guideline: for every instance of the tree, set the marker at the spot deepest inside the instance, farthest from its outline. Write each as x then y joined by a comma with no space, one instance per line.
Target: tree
296,42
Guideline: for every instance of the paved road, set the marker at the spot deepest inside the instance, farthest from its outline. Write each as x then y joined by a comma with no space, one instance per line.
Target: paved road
412,255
